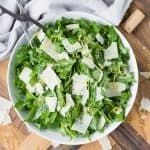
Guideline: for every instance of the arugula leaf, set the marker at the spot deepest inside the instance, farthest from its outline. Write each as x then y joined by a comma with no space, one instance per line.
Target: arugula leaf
37,60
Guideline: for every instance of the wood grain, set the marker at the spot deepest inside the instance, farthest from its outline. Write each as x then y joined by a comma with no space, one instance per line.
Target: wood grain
34,142
129,139
15,135
10,137
3,78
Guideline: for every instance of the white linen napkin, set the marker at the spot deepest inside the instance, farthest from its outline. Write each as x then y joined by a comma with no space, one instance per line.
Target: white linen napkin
10,29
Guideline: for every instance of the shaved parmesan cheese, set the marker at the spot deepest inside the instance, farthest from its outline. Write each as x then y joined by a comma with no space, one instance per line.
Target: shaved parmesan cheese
99,96
79,84
85,50
101,122
6,120
107,63
105,143
88,61
50,78
30,88
5,106
2,115
145,104
145,74
82,124
99,38
48,47
25,75
38,88
41,35
71,47
69,104
111,52
115,89
80,87
72,26
51,103
85,97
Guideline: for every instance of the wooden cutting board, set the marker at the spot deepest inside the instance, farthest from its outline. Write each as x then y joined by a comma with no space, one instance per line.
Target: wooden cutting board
131,135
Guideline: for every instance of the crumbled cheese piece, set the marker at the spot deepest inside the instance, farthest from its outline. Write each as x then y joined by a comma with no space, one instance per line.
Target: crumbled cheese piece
145,104
51,103
50,78
72,26
25,75
82,124
115,89
101,122
111,52
48,47
79,83
99,38
71,47
145,74
69,104
99,95
88,61
105,143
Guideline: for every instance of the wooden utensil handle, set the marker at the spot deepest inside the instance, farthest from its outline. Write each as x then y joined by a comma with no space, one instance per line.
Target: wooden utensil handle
129,139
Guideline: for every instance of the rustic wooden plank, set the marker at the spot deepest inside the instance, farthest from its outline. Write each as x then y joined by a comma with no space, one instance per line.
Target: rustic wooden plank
142,53
140,31
16,122
91,146
139,40
144,5
129,139
3,78
10,137
34,142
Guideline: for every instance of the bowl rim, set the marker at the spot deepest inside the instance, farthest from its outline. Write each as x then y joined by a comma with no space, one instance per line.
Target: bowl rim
113,126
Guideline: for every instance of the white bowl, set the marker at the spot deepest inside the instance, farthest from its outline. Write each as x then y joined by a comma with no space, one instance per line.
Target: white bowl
53,135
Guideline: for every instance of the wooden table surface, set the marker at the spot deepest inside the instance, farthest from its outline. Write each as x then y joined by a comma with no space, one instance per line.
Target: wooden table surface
16,137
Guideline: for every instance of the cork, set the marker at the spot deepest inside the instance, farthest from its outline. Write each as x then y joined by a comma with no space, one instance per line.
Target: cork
133,20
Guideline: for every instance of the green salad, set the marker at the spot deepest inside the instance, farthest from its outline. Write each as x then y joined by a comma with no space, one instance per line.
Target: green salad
74,77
